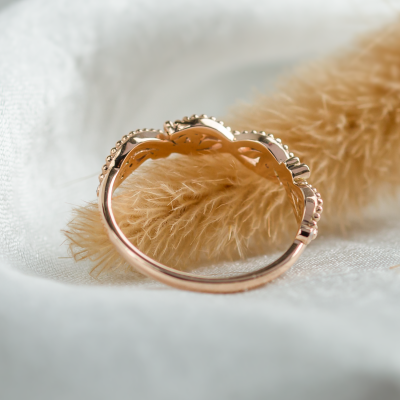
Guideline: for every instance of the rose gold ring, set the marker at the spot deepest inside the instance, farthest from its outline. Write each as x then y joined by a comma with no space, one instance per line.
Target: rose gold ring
197,135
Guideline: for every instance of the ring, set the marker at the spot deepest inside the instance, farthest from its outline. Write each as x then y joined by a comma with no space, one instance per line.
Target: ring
197,135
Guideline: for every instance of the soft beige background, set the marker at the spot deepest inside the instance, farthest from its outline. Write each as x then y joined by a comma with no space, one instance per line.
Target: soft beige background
77,75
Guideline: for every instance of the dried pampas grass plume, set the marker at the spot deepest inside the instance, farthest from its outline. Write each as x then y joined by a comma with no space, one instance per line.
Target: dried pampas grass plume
341,117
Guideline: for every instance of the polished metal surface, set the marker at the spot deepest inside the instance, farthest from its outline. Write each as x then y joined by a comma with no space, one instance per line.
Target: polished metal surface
198,135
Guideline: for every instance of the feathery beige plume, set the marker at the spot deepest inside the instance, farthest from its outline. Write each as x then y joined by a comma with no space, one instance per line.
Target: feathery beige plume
340,116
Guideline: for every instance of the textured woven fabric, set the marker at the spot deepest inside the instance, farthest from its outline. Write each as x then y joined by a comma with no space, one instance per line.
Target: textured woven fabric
77,75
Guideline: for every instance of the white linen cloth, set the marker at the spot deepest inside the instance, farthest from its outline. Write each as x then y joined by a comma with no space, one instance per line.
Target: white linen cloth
77,75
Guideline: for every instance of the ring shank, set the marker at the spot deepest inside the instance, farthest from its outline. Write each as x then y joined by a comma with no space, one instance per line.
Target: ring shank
183,280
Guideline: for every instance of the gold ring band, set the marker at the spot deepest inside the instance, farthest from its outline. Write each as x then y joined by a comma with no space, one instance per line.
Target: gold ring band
196,135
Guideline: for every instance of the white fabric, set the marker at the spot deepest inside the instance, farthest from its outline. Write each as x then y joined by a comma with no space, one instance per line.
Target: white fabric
74,77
